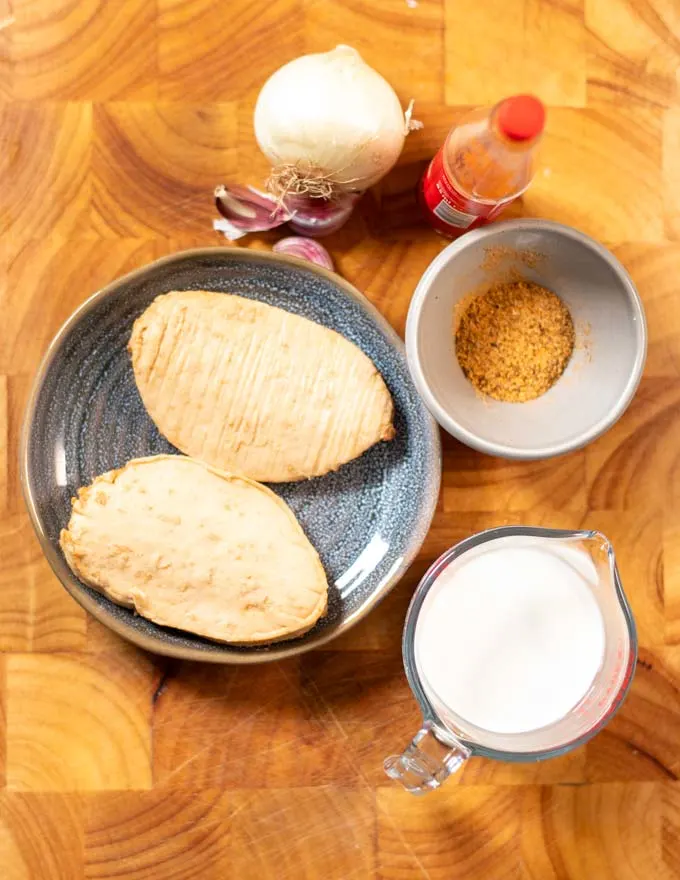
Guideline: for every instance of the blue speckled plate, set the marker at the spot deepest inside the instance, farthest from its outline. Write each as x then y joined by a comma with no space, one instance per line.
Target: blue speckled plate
85,416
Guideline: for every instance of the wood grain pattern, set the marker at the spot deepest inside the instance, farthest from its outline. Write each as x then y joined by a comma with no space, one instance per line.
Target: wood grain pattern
4,443
148,834
117,119
83,49
670,828
415,37
474,831
35,612
77,724
305,832
154,166
56,850
45,153
615,143
652,267
207,51
540,47
611,832
18,388
223,729
633,50
671,171
642,741
46,280
5,62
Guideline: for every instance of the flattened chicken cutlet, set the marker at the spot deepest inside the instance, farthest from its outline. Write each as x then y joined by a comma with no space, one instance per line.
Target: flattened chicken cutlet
196,549
253,389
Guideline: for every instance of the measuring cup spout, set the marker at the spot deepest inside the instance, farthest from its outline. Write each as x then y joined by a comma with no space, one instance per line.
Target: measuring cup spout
426,762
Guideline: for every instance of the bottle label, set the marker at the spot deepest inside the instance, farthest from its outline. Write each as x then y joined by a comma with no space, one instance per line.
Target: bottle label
447,209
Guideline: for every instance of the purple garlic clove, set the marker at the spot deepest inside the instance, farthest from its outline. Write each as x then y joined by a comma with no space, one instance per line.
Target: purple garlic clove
305,249
245,209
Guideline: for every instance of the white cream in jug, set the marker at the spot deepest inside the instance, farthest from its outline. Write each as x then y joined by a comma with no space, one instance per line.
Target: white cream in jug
510,636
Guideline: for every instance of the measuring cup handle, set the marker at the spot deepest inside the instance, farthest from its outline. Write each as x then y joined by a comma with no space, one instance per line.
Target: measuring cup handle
426,761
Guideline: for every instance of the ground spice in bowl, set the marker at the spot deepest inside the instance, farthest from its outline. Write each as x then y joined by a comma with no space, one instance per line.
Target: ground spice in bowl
514,341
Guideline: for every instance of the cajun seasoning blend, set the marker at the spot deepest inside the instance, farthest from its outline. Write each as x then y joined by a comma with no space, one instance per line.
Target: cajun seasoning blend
486,162
514,341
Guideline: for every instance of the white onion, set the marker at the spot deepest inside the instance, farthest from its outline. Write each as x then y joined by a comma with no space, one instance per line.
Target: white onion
330,119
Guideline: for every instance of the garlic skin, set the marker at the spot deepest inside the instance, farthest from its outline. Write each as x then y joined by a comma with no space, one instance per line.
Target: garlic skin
333,117
306,249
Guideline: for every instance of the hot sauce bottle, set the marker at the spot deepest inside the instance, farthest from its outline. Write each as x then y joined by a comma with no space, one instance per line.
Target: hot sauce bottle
486,162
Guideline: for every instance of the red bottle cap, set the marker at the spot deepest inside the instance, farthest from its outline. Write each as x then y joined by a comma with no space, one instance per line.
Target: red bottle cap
521,118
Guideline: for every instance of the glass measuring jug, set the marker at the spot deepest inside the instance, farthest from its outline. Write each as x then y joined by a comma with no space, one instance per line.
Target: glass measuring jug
446,739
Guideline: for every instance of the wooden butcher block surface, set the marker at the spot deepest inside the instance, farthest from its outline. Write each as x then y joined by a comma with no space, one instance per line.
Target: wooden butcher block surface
117,120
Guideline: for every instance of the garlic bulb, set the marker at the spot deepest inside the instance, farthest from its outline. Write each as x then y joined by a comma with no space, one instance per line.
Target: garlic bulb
329,124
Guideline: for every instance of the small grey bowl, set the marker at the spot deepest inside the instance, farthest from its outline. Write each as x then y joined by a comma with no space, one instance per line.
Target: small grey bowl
85,416
602,375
